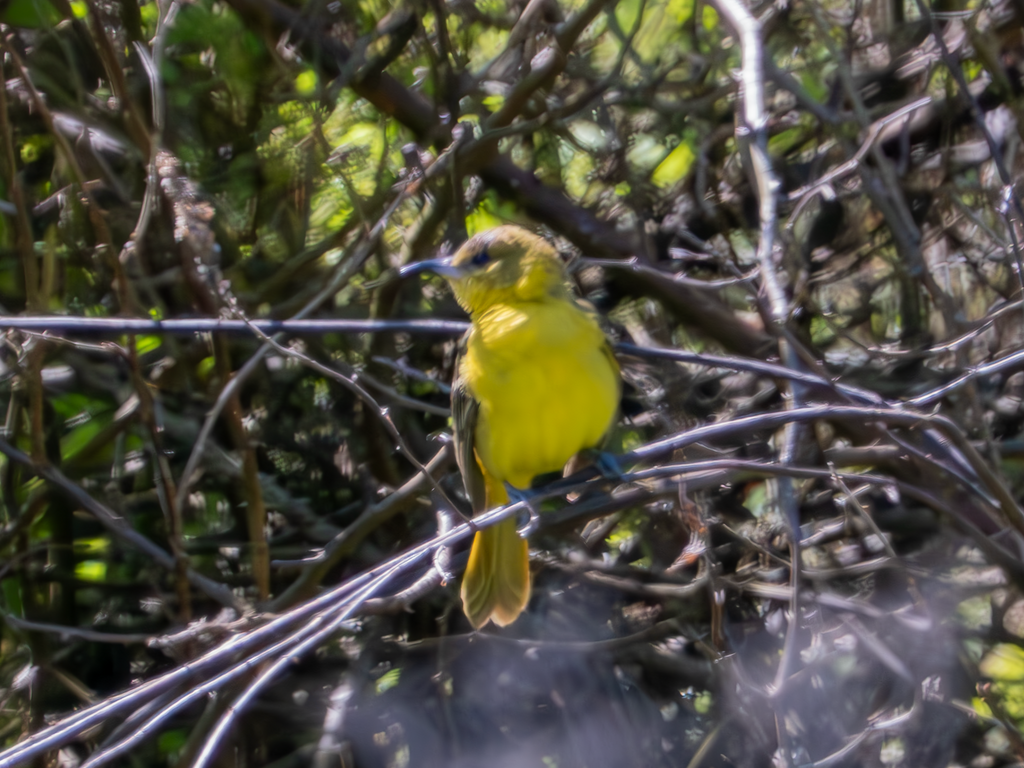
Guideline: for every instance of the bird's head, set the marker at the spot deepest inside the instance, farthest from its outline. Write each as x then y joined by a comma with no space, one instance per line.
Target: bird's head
504,264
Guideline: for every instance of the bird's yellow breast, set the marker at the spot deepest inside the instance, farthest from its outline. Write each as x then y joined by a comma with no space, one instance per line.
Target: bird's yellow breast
546,384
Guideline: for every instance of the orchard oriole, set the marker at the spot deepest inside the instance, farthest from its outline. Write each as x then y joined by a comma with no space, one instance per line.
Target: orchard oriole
536,382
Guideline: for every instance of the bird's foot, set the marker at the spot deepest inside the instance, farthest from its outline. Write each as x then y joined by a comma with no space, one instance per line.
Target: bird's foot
607,465
529,518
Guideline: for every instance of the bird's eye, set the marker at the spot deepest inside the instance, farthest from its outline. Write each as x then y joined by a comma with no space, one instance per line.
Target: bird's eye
481,258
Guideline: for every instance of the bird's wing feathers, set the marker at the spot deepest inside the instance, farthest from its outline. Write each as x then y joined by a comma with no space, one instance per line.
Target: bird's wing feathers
465,409
602,323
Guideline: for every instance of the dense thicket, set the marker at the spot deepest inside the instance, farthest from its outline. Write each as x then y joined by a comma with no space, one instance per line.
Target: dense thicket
806,240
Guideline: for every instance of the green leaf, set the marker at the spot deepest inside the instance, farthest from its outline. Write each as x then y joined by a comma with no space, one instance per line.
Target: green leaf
702,702
975,612
756,499
91,570
481,220
34,147
815,84
628,528
680,11
626,13
491,212
576,174
95,546
150,13
494,102
172,742
589,134
205,367
71,405
305,83
674,168
12,596
710,18
34,14
149,343
79,437
388,680
1004,662
786,141
646,151
981,707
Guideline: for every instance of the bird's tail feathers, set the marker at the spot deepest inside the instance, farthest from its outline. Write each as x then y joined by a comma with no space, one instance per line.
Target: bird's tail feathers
496,586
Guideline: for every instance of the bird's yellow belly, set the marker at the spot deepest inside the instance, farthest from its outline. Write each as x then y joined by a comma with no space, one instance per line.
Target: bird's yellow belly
547,389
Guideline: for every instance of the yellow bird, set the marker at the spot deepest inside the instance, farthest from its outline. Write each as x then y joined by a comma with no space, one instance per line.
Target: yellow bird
535,384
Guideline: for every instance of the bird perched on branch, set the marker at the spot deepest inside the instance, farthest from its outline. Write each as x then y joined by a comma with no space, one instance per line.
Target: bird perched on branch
536,383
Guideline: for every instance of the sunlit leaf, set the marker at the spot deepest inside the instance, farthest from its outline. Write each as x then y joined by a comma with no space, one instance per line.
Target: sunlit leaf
306,83
91,570
589,134
576,174
1004,662
981,707
645,152
677,164
626,13
388,680
73,443
755,498
680,11
710,18
815,84
148,343
702,703
94,546
206,366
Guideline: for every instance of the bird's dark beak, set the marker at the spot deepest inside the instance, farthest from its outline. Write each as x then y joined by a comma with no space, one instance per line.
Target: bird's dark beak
442,267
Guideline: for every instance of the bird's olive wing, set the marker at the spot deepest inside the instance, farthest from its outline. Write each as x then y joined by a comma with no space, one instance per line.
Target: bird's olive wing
465,409
606,345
